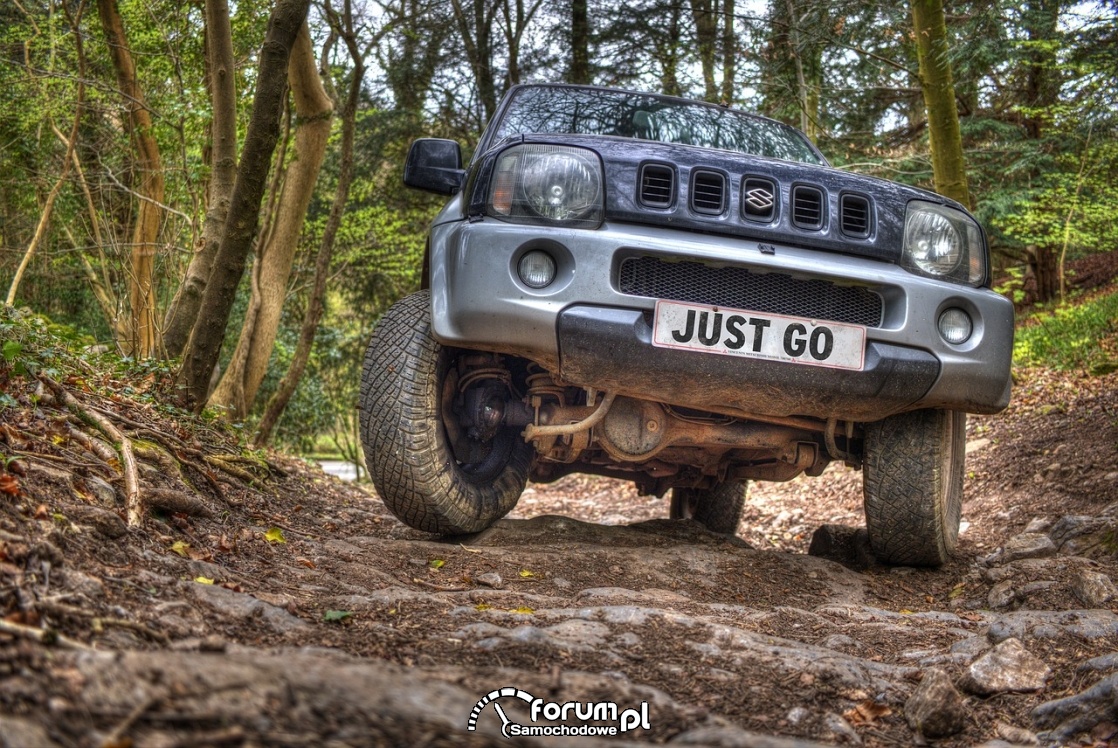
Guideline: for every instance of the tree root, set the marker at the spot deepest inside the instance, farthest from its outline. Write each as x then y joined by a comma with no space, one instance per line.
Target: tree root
176,502
120,442
226,465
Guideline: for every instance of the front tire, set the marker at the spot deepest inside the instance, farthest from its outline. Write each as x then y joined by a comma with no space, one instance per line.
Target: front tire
912,483
718,509
404,400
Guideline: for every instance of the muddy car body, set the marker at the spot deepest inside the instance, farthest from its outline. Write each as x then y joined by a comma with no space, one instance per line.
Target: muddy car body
688,297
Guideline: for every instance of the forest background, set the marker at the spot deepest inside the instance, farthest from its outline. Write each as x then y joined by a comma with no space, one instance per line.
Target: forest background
195,182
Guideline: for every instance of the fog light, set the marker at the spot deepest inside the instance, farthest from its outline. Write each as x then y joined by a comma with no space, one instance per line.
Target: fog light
536,269
955,326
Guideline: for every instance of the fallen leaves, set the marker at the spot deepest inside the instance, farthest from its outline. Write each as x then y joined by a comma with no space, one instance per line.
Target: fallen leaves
181,547
9,485
866,713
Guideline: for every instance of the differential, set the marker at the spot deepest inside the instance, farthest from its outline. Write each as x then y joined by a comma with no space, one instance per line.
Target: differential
632,429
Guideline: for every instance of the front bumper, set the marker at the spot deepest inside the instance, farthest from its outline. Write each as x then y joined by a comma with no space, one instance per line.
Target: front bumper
583,327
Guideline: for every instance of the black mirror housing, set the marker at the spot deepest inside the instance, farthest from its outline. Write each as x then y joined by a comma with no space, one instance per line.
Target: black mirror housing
435,165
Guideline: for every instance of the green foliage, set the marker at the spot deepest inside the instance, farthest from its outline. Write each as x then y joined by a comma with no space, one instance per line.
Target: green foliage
1072,337
34,344
1076,202
1015,71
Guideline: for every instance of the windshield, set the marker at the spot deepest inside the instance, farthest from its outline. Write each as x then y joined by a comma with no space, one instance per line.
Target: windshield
595,111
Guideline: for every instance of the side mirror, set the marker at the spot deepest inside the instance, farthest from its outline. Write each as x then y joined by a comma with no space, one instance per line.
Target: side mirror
435,165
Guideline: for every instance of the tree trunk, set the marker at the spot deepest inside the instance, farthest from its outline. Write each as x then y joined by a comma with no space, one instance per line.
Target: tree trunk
208,332
143,333
476,30
580,42
316,305
238,386
705,16
1044,266
219,42
1041,19
729,52
516,23
948,166
668,55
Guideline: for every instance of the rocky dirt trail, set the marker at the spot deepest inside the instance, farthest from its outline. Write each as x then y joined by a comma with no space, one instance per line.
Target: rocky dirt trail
262,603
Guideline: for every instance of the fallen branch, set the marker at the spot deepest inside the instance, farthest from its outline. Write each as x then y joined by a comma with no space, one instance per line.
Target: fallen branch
439,587
46,637
120,442
114,737
62,609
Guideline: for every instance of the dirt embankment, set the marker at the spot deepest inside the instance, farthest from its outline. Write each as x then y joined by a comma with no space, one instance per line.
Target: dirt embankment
263,603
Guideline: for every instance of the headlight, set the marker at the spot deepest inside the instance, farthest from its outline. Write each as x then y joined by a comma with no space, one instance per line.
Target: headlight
550,184
943,242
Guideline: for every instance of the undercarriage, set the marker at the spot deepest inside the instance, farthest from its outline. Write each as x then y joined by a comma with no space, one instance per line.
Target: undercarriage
656,445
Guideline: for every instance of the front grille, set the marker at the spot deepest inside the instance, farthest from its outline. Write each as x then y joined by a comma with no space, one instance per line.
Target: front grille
708,193
738,288
855,211
657,186
807,208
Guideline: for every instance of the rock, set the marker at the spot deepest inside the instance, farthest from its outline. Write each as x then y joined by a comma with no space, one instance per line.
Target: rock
1034,587
103,491
734,737
1007,667
841,642
997,574
1001,595
1076,534
16,732
86,585
842,729
1065,718
1038,524
1015,735
1049,624
102,521
935,708
490,579
972,646
1093,588
240,605
849,546
977,444
1102,663
1026,545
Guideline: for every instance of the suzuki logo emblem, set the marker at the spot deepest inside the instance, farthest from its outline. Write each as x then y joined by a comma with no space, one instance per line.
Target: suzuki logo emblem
759,198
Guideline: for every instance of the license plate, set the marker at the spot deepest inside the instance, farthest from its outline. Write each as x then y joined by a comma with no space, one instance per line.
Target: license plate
775,337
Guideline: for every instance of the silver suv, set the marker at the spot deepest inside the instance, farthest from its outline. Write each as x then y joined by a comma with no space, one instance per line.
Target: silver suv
688,297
